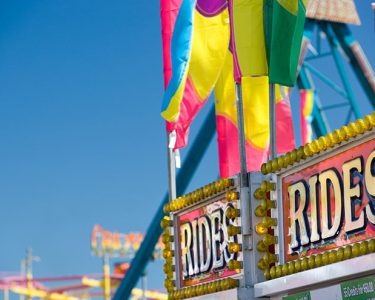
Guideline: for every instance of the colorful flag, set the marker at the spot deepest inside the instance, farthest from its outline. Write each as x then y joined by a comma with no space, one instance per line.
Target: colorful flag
306,111
199,43
255,94
248,38
285,36
285,140
246,63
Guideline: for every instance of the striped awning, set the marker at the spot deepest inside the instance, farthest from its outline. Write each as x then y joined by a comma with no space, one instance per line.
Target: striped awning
341,11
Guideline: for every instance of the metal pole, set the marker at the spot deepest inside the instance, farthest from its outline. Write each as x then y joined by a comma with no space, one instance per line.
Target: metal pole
23,275
241,136
144,285
106,277
272,118
29,272
6,294
171,169
184,176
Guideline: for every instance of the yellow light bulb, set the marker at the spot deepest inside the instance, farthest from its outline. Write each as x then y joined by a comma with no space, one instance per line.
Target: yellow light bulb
165,222
307,150
269,167
234,247
269,240
286,159
232,213
260,211
332,256
232,195
304,264
166,208
311,262
273,272
233,230
344,130
291,269
371,246
363,248
167,253
368,122
300,153
261,228
269,222
340,254
262,247
263,169
348,252
234,264
323,143
284,270
337,135
355,250
297,266
269,258
259,194
279,271
293,155
274,165
280,162
262,264
325,258
361,126
267,274
315,146
318,260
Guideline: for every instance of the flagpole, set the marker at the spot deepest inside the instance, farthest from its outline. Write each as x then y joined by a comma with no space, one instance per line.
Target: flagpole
172,192
241,136
272,118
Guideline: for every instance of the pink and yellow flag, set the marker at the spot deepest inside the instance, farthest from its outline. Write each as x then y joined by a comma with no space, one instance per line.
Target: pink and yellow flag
307,106
198,48
255,95
285,140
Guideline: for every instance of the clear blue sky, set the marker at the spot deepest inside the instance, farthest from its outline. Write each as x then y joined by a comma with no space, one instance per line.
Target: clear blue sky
81,138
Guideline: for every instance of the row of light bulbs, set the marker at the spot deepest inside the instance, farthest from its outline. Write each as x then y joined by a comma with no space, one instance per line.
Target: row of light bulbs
322,259
224,184
262,194
205,288
168,254
323,143
198,195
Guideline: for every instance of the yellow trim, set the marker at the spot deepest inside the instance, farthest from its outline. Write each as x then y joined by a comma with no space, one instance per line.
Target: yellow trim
321,259
199,195
205,288
321,144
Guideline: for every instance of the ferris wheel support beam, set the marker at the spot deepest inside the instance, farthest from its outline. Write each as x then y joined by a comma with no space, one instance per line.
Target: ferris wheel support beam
358,60
143,255
319,123
331,37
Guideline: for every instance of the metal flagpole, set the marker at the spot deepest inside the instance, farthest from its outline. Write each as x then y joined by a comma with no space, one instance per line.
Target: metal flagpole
171,166
241,136
245,203
272,118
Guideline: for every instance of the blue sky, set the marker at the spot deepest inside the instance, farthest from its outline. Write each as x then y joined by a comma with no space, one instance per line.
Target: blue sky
81,138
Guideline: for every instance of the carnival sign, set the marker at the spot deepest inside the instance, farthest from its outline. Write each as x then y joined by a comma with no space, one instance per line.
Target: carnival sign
330,203
115,244
204,243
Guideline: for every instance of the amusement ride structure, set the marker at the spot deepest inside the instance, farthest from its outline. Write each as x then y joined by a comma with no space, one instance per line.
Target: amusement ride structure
326,36
327,21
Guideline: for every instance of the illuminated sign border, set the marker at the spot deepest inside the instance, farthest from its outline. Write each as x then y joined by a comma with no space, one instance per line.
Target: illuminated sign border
283,267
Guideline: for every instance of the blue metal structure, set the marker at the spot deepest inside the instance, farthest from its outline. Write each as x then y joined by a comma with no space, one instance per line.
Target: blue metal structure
143,256
338,36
